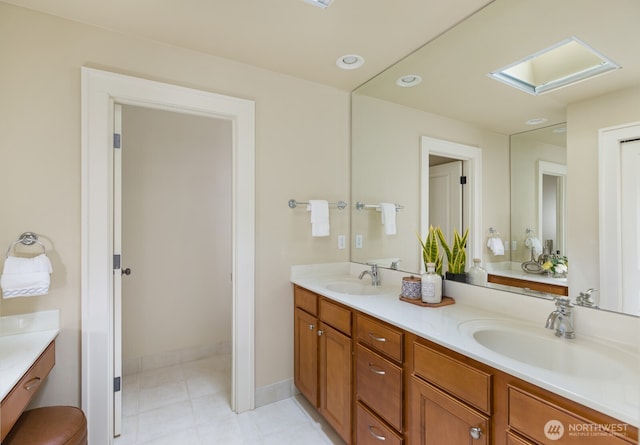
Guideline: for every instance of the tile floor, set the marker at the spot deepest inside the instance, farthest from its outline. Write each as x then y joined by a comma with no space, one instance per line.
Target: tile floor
190,404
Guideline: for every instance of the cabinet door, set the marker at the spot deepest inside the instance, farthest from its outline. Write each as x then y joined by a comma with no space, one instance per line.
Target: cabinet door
306,355
336,380
436,418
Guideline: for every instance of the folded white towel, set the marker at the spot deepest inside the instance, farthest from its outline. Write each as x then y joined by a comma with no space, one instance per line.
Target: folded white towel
496,245
388,217
535,243
26,277
319,209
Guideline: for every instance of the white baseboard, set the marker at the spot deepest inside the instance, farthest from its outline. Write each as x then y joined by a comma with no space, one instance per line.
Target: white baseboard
275,392
134,365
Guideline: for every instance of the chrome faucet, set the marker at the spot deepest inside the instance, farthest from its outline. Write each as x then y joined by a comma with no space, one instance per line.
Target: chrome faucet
375,277
585,299
562,318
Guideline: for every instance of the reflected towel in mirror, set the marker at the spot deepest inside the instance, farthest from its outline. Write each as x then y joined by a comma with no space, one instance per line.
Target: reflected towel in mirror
388,217
534,243
496,245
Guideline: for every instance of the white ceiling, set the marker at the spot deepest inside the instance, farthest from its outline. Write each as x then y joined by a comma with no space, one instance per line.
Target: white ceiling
301,40
286,36
455,65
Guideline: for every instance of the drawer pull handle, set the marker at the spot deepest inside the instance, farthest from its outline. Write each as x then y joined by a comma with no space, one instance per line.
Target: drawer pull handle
377,436
376,370
373,337
475,432
31,384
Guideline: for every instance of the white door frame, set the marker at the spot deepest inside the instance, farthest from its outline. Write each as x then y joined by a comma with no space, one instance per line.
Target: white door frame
100,91
610,220
472,158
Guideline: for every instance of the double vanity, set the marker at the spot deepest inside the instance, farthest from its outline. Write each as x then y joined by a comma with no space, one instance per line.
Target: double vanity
483,370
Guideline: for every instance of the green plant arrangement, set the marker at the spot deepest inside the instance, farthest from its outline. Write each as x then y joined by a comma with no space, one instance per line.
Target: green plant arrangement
456,256
431,250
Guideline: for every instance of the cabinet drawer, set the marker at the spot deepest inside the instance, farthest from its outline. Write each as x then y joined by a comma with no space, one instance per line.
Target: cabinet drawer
379,385
335,315
305,300
514,439
469,384
17,400
380,337
371,431
530,415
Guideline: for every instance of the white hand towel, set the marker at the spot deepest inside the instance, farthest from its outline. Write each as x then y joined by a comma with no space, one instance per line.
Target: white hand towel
496,245
388,217
26,277
319,209
535,244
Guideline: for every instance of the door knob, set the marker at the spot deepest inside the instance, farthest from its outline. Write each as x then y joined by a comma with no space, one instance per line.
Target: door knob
126,271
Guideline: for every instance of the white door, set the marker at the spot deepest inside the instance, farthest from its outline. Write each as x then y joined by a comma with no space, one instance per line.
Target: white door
630,226
445,197
117,271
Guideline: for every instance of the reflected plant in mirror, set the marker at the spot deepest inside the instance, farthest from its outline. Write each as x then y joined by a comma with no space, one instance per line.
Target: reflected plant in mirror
545,170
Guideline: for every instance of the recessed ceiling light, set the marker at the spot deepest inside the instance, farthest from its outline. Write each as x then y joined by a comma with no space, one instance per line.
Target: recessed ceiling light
350,61
562,64
319,3
410,80
536,121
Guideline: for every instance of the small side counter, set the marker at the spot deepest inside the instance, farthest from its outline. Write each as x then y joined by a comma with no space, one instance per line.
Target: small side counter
27,355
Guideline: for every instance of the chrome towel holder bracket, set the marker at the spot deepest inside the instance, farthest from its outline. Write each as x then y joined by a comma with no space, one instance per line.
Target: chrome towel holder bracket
28,239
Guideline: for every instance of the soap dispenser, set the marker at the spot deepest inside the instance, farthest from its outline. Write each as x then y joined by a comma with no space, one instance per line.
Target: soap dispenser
476,274
431,285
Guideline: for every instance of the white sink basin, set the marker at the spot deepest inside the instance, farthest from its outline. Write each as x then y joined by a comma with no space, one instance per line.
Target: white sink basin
352,288
539,347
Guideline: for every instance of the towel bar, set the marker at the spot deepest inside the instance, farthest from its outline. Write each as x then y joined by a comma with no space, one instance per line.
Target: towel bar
340,204
28,239
361,205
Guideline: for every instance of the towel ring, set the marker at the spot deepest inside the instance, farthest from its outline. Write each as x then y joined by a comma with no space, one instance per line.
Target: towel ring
28,239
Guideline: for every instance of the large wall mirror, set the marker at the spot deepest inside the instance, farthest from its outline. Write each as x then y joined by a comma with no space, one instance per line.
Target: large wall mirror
539,164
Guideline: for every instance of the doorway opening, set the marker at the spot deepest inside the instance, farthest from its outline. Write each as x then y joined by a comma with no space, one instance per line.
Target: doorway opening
176,251
469,208
100,92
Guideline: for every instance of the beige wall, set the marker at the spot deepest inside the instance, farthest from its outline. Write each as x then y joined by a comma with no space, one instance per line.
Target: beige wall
584,120
302,152
176,236
387,136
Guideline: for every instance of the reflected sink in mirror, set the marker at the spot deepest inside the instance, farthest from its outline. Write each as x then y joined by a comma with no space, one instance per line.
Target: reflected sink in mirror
537,346
352,288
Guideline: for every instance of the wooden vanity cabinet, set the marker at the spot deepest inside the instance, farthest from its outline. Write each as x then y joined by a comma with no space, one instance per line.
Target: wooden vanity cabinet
404,389
536,416
19,397
450,399
379,381
323,358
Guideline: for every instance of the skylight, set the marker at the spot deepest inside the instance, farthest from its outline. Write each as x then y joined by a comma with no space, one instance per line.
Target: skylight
562,64
319,3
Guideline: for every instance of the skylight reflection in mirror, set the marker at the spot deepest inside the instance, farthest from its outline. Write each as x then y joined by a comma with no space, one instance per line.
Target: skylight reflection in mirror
560,65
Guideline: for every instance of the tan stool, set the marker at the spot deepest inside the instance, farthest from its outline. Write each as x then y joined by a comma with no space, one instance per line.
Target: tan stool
51,425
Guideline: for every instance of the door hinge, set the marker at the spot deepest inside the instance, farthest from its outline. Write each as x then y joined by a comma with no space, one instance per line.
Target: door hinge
116,140
463,180
116,384
116,262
